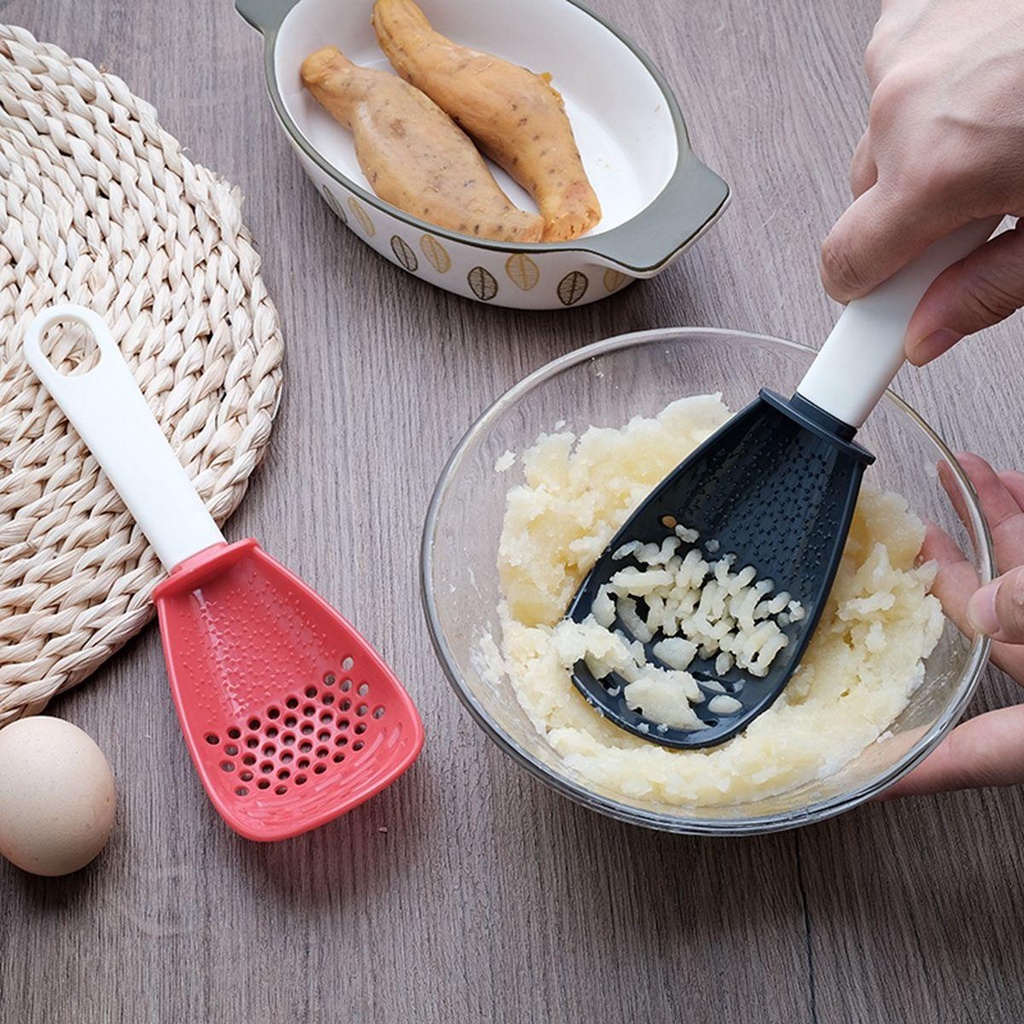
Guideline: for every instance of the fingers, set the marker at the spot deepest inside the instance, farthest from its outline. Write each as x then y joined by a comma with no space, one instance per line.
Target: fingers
874,238
1013,481
956,580
975,293
863,170
997,610
983,751
951,485
987,750
1003,511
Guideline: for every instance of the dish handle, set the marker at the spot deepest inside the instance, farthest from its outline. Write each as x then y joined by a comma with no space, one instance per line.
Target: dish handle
264,15
691,201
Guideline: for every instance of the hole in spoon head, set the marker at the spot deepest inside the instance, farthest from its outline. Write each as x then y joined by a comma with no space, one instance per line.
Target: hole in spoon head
310,731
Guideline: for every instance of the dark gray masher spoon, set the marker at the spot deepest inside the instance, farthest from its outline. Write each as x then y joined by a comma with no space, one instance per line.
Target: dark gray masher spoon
776,486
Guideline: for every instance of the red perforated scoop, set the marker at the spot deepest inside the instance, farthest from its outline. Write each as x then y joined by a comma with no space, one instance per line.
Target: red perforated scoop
290,716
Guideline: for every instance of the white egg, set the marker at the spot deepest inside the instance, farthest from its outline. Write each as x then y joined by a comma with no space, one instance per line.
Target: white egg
56,796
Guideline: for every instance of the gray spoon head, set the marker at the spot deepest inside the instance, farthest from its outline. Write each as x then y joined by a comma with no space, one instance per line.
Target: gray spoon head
776,486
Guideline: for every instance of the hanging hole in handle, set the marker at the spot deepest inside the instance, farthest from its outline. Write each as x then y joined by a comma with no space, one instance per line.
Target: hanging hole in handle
70,348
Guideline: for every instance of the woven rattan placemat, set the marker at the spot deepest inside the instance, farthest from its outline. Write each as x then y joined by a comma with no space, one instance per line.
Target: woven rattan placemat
99,206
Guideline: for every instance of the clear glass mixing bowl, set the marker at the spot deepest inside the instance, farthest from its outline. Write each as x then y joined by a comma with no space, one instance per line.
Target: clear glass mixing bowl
606,384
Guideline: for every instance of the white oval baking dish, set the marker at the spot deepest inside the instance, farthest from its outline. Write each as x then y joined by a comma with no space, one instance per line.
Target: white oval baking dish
657,198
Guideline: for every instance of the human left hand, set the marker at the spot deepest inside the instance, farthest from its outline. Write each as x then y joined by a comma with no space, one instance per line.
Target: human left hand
987,750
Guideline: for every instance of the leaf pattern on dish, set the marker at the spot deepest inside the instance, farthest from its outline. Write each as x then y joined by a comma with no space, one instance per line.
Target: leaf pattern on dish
483,283
522,271
436,254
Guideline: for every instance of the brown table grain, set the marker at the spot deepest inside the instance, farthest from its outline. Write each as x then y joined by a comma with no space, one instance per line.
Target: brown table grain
467,891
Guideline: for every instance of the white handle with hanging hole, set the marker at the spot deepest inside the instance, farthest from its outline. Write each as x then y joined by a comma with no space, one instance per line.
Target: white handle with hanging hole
865,348
111,416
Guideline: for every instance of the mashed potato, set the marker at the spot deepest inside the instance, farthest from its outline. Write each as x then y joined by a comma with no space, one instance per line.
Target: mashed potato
865,660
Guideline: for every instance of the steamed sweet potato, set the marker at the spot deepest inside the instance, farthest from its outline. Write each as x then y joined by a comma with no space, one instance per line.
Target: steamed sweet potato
514,115
412,153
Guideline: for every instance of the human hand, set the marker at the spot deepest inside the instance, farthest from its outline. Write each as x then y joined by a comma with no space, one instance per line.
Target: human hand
944,145
987,750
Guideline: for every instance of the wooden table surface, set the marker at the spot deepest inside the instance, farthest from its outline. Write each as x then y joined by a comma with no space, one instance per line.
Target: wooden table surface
468,891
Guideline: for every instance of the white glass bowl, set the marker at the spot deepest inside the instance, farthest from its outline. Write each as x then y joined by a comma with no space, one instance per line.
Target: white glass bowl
606,384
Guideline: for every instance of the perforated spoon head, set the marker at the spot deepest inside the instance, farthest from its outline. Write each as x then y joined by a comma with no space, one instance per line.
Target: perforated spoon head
776,486
290,716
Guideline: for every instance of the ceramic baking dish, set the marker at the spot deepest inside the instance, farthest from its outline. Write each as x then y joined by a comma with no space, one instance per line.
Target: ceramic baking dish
656,196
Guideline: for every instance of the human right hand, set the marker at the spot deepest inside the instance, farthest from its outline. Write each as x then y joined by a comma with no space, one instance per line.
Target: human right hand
944,145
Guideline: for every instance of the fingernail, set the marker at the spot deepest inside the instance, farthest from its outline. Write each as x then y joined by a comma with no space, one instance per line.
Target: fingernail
934,344
981,610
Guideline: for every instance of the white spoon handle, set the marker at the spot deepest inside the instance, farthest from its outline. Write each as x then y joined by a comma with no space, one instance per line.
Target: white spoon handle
111,416
865,349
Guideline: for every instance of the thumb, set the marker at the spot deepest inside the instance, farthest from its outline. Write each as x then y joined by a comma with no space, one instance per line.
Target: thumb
876,236
977,292
997,609
987,750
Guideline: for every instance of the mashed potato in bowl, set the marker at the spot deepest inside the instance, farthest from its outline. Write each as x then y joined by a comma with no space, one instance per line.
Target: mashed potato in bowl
863,665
